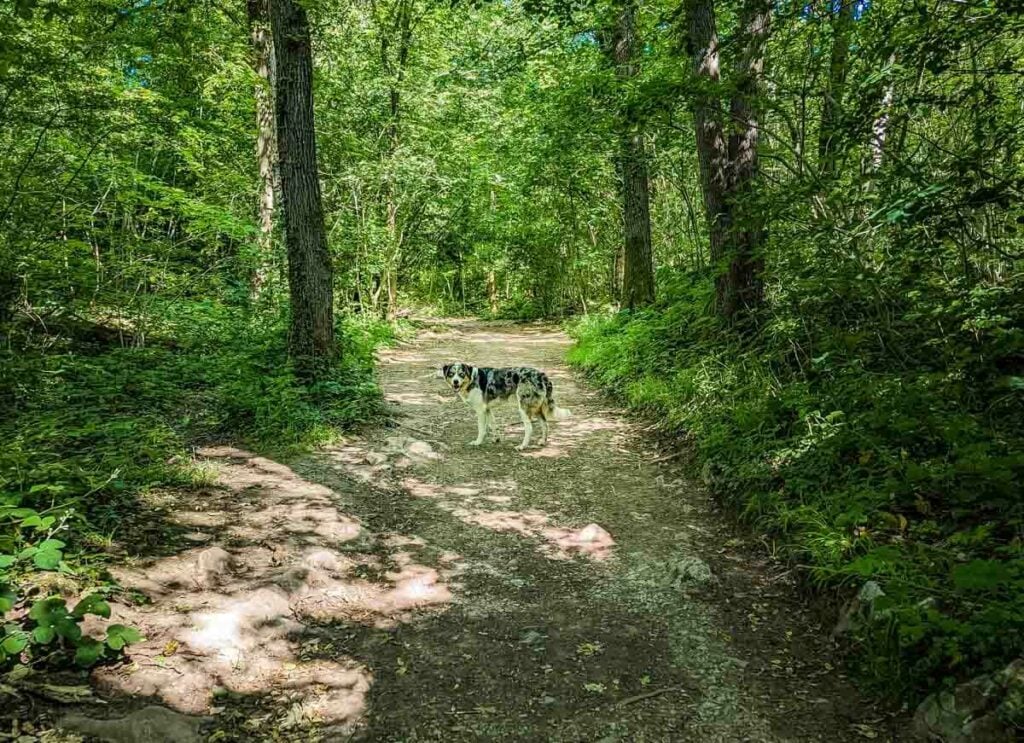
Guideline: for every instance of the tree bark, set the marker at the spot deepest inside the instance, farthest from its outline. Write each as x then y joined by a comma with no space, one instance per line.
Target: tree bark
728,169
712,155
310,273
829,133
638,260
880,126
741,289
266,137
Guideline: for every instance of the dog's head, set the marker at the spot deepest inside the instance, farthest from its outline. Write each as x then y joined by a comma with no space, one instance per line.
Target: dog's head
458,375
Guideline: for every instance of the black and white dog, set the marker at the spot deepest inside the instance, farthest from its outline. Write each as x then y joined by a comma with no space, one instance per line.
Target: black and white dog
482,386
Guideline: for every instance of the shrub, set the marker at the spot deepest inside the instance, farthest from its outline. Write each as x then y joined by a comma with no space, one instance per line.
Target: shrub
866,464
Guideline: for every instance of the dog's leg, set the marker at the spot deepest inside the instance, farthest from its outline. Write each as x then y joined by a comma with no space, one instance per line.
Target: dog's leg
543,431
481,426
493,427
527,428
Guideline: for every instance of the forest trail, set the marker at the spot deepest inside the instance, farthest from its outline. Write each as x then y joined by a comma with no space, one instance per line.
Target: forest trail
405,586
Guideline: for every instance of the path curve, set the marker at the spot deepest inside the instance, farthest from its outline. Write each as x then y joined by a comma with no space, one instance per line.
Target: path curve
402,585
581,609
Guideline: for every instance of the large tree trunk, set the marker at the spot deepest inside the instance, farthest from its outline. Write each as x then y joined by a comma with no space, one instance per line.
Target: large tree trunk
266,139
741,289
728,170
310,273
830,131
638,261
712,155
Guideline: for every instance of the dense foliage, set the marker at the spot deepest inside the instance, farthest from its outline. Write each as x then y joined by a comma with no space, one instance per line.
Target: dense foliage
870,417
127,330
867,411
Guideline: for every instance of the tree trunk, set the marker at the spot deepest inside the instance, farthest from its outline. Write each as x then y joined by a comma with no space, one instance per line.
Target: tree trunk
638,261
740,288
712,156
310,272
728,170
266,139
880,126
492,292
829,133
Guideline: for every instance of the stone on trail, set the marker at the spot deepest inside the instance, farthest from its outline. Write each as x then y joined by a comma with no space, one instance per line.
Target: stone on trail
411,447
212,565
421,449
690,572
375,458
985,709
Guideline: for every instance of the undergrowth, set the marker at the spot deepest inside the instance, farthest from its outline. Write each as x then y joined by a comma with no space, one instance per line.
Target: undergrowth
89,427
895,457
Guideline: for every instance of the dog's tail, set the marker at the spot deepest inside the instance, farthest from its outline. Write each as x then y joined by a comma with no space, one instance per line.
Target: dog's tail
559,414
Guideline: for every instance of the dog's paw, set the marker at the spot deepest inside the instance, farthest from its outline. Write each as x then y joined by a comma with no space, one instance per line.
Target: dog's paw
474,442
522,447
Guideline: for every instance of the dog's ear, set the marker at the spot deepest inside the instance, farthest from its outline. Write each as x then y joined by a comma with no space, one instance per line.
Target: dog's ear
443,372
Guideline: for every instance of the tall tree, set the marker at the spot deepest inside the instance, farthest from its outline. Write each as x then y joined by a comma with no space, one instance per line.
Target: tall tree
832,106
401,27
266,139
638,262
712,155
729,167
310,273
742,288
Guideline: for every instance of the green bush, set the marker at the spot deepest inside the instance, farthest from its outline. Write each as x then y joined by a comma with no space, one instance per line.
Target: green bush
904,469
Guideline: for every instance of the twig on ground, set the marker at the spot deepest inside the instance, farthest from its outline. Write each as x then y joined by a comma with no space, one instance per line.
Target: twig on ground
648,695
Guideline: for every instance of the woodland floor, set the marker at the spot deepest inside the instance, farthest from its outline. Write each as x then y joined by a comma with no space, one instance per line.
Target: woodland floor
405,586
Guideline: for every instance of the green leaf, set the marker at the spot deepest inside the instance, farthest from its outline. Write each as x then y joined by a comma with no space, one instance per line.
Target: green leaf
89,651
51,544
46,611
68,628
47,559
7,560
92,604
14,643
981,575
119,635
7,598
43,635
21,513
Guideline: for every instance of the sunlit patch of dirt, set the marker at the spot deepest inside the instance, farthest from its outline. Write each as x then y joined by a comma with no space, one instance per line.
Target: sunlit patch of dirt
232,615
560,543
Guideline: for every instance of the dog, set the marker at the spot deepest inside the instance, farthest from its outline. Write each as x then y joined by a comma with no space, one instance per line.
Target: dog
480,387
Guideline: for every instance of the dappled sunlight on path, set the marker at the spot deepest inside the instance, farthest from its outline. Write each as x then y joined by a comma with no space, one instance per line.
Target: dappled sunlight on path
234,615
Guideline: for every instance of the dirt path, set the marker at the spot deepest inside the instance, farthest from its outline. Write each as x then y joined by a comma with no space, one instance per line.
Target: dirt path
405,586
